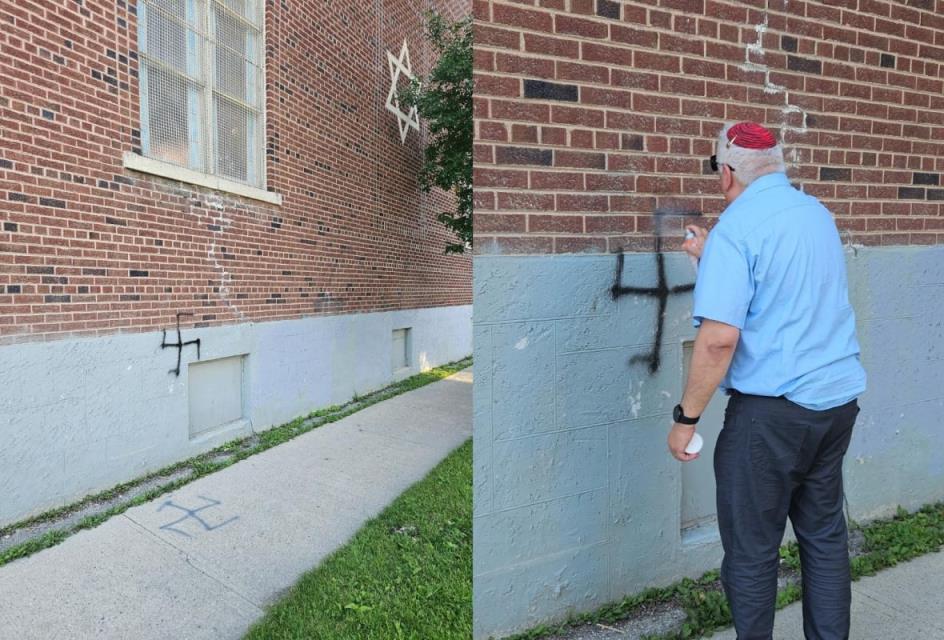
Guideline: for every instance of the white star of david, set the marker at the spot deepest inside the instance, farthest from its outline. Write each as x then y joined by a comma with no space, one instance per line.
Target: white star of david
405,121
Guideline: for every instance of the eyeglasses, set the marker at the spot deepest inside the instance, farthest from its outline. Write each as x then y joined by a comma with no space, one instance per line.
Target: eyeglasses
713,161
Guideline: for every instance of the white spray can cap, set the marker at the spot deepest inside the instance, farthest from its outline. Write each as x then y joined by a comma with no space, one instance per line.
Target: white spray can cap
695,444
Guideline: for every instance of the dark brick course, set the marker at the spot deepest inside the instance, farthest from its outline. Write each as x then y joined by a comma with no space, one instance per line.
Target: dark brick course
806,65
539,89
834,174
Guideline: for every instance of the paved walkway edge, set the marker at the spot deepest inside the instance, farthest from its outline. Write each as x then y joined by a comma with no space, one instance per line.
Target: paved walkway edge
902,602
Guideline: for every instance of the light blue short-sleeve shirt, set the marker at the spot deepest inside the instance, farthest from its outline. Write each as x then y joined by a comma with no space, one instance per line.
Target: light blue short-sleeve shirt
773,267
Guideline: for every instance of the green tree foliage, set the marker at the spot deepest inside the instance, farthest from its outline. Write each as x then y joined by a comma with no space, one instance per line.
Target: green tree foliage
444,101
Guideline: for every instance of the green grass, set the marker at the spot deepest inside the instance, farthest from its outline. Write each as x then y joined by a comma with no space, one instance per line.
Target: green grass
904,537
406,575
205,464
701,599
887,543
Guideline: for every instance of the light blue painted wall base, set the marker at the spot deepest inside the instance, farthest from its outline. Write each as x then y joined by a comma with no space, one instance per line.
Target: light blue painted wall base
577,501
80,416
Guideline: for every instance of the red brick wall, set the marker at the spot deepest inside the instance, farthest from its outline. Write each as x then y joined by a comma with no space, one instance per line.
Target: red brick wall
89,247
590,114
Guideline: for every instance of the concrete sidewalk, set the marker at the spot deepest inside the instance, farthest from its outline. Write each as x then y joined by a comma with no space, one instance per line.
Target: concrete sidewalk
903,603
204,561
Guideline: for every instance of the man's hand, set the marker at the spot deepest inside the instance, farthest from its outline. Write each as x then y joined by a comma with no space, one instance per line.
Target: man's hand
679,437
694,246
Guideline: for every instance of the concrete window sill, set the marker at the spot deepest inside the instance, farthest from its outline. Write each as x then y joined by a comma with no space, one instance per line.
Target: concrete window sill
136,162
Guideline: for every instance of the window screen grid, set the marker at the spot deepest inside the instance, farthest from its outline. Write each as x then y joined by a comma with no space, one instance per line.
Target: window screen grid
203,90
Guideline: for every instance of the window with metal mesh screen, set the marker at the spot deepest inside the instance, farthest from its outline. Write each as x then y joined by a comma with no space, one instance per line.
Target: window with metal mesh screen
201,85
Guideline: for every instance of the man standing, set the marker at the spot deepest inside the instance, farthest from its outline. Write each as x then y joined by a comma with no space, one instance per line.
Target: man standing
776,330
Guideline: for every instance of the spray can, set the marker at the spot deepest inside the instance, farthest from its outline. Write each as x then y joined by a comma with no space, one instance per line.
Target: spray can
688,236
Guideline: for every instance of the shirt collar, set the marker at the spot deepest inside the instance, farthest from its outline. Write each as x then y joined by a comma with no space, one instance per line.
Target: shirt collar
761,184
765,182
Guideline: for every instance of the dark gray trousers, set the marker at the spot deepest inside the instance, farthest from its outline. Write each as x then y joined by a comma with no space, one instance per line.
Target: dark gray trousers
775,459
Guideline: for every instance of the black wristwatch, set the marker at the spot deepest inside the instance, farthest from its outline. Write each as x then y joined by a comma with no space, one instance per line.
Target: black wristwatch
679,416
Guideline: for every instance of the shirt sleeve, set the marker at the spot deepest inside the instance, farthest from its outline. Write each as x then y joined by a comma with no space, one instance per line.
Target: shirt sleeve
725,283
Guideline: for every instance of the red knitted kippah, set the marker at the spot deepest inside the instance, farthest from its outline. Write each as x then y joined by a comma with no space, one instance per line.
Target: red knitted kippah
750,135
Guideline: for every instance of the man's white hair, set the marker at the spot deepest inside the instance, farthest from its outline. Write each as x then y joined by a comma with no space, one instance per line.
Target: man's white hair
748,164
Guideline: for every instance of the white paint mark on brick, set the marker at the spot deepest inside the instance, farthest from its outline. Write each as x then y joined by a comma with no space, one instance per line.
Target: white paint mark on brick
771,88
757,48
522,344
221,222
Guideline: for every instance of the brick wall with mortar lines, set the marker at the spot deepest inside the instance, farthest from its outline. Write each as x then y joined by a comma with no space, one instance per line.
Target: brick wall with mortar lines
590,114
89,247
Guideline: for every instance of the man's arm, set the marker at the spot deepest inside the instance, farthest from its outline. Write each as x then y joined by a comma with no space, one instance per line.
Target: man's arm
714,347
711,357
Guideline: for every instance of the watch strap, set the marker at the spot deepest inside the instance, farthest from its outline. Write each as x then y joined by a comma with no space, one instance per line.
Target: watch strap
681,418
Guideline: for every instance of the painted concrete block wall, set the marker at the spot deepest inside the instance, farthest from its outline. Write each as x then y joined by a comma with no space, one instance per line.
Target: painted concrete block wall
577,501
79,416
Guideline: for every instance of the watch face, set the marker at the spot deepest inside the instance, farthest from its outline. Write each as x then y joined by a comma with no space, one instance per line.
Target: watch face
677,412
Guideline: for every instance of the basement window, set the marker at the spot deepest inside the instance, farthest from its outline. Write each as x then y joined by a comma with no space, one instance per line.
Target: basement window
215,395
400,353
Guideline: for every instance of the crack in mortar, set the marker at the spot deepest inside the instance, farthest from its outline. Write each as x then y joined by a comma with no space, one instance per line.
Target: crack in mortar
220,222
770,88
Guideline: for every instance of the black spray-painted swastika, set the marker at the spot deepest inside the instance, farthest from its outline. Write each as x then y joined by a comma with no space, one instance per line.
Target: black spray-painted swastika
661,291
180,344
